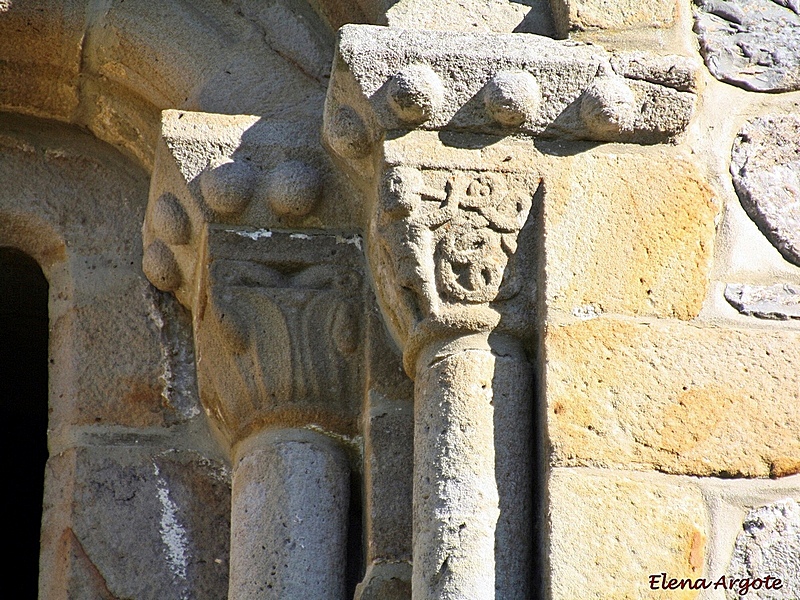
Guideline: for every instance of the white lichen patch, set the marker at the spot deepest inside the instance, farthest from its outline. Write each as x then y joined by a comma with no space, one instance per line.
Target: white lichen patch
353,239
253,235
586,312
177,360
172,531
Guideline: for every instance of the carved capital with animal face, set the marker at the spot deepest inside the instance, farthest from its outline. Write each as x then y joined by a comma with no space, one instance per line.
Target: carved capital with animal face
449,250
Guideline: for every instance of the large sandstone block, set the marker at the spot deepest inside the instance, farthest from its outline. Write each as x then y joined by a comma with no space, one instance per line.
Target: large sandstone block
673,397
630,234
580,15
610,531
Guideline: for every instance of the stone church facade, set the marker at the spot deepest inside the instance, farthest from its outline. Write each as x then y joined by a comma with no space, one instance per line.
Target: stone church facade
404,300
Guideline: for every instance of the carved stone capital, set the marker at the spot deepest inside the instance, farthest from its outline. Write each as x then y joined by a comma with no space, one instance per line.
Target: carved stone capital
449,249
278,330
277,315
450,233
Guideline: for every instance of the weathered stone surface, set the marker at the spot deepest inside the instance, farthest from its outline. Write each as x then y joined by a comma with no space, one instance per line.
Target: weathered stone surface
630,234
609,531
135,523
754,44
473,417
501,16
582,15
388,476
112,67
113,357
672,397
386,581
368,58
73,183
388,462
290,499
765,165
263,293
677,72
779,301
142,373
769,544
40,56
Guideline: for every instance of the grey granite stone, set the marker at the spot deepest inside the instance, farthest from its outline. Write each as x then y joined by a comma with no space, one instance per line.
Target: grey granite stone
130,522
769,544
780,301
289,517
766,174
754,44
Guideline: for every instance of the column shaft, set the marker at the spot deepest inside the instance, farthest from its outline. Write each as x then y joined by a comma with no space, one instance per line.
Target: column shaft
289,517
472,482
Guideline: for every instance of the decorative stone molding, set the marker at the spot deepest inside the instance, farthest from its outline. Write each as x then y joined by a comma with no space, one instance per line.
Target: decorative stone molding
444,247
278,331
389,79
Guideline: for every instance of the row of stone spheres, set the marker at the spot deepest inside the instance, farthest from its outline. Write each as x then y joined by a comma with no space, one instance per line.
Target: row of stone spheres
413,299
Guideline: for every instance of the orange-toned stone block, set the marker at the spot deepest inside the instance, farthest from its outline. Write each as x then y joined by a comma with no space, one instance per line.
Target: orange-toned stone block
629,233
673,397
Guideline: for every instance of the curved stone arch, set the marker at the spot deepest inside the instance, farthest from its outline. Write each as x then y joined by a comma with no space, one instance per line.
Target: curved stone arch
112,66
119,382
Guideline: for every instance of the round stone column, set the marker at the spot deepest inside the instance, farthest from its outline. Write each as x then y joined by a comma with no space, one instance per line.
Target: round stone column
289,514
472,480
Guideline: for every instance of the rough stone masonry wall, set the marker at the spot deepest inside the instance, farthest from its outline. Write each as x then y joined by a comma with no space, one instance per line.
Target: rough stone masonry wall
651,296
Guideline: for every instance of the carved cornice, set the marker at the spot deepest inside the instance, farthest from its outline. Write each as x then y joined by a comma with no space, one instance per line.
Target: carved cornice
386,79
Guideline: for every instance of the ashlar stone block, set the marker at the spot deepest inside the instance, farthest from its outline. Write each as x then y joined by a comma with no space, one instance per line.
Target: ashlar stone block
628,233
129,522
673,397
580,15
610,531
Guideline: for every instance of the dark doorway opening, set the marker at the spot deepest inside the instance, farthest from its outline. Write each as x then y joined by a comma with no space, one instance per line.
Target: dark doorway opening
23,413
